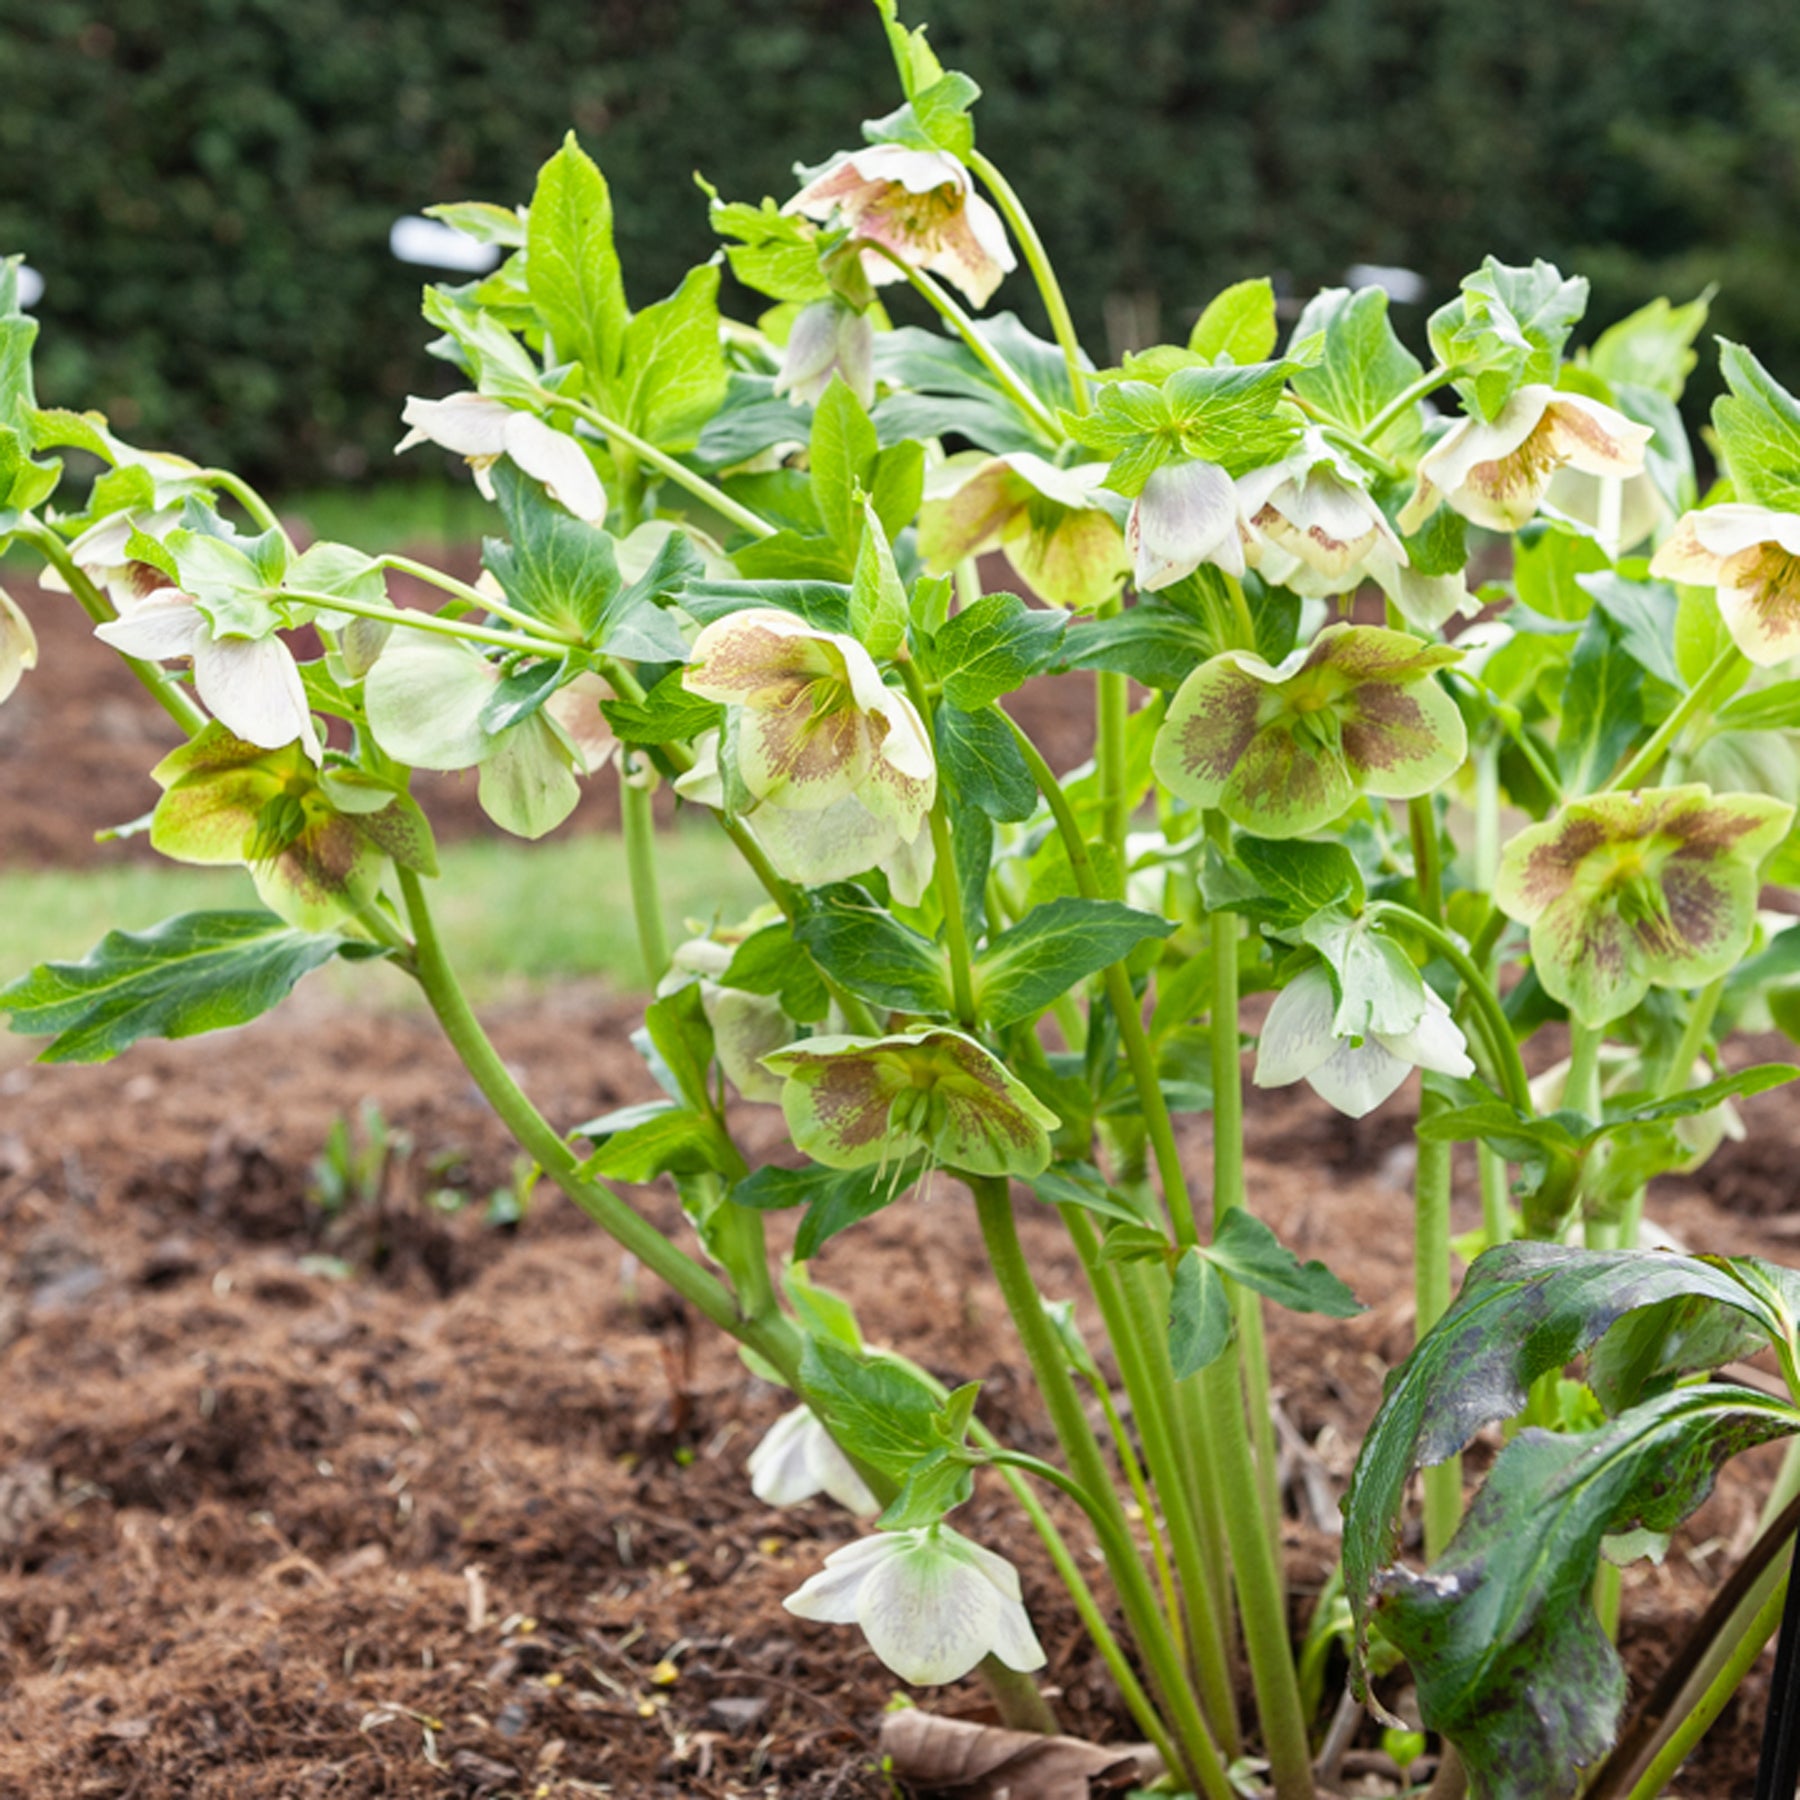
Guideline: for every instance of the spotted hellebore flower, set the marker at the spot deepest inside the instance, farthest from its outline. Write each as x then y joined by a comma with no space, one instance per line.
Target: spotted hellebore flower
1187,514
1049,521
1355,1075
859,1102
746,1027
931,1603
316,843
1751,556
1314,527
1285,750
1626,892
101,555
18,644
251,685
829,339
798,1458
482,430
1495,474
918,204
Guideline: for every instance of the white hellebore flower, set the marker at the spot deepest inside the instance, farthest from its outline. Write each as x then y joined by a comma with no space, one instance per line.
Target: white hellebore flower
918,204
1187,514
1751,556
1314,527
1495,474
746,1028
252,686
828,339
483,430
1298,1043
101,555
798,1459
931,1603
18,644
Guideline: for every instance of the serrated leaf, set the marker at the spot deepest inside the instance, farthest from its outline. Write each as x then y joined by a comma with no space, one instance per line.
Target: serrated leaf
983,763
878,609
639,1143
1602,706
194,973
855,940
1052,948
1296,878
1652,347
1361,368
843,452
990,648
1238,323
835,1199
1081,1184
667,714
769,962
878,1412
1199,1315
572,269
1157,645
671,377
1244,1248
1758,424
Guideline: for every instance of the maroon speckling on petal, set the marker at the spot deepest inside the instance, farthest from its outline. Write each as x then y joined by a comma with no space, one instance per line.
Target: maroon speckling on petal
1384,727
1549,867
1219,733
1699,906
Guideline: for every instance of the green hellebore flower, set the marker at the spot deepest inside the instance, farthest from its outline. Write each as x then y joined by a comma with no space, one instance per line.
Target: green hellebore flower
1284,750
857,1102
315,841
1626,892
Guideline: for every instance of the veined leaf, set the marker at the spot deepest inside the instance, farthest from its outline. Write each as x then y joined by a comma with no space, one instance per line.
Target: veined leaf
982,654
982,760
1758,424
857,942
1054,946
572,269
835,1199
198,972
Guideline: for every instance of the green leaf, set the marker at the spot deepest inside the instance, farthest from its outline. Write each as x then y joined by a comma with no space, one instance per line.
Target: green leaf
933,1487
1738,1085
518,695
1155,644
1758,424
1643,613
1511,1663
778,254
835,1199
1362,367
843,452
1772,708
198,972
1238,324
672,371
1506,330
639,1143
879,1413
990,648
936,118
767,962
667,714
1052,948
1244,1248
862,945
1081,1184
572,269
983,763
1199,1314
1602,706
677,1043
1296,878
1652,347
1547,560
878,610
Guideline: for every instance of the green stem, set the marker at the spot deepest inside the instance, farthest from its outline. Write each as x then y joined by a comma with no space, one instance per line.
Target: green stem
1132,1465
1510,1066
1428,868
1037,259
990,358
1724,669
1112,700
260,511
1712,1702
1680,1072
1431,1292
640,864
471,597
774,1339
1137,1331
1496,1214
943,856
1428,383
1087,1469
1581,1089
414,619
162,687
663,463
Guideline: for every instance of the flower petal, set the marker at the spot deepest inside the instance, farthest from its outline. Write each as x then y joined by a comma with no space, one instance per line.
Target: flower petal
835,1098
1187,514
1435,1043
559,462
965,510
424,699
1595,438
158,630
1759,600
832,1596
18,644
929,1616
1209,725
1401,741
1359,1076
253,686
527,785
468,424
1297,1035
814,848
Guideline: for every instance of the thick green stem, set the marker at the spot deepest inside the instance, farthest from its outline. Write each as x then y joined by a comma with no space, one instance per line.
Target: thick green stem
666,465
1087,1468
162,687
1037,259
472,598
1112,700
1137,1331
1724,669
415,619
956,931
1431,1298
1712,1702
261,512
984,352
640,865
1408,397
773,1339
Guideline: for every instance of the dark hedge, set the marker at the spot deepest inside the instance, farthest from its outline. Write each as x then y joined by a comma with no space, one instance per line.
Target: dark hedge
207,185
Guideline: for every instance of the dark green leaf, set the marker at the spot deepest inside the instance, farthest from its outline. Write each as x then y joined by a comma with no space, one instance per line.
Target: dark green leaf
668,714
198,972
639,1143
1644,613
981,758
1157,645
768,962
518,695
1081,1184
1199,1315
835,1199
986,651
1052,948
860,944
878,1412
1602,706
1244,1248
1296,878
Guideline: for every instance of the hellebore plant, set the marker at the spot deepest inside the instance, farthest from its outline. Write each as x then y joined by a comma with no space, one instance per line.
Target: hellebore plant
741,561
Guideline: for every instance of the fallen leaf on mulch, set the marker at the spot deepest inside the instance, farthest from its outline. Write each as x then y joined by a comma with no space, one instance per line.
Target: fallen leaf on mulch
985,1762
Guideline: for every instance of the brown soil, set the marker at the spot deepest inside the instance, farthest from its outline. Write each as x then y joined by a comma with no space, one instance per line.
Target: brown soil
404,1503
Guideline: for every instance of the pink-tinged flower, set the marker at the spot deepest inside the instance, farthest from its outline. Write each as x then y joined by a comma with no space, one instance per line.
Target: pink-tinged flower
1186,514
1496,474
1050,522
798,1458
859,1103
482,430
1313,526
931,1603
316,844
1354,1074
828,341
1751,556
1284,750
250,685
918,204
101,555
1626,892
18,644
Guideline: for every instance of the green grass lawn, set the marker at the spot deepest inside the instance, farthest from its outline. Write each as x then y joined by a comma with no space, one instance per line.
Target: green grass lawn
512,915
